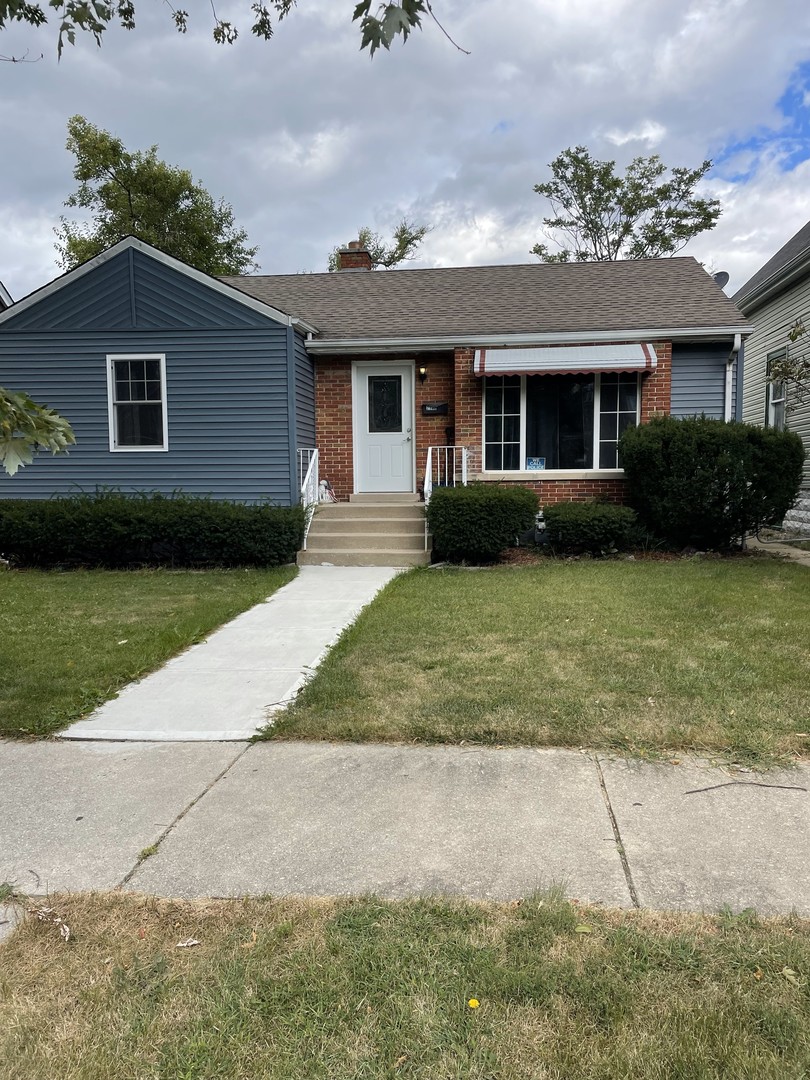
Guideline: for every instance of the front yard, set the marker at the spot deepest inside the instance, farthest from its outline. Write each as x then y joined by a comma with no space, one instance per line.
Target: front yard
71,640
439,990
706,655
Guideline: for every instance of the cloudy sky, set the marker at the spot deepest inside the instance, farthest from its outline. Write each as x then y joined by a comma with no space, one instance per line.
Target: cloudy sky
308,139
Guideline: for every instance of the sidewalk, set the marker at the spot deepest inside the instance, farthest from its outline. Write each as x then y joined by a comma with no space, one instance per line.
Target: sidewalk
223,688
323,819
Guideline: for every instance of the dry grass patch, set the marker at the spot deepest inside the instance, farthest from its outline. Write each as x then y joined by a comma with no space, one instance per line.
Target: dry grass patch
71,640
342,989
704,655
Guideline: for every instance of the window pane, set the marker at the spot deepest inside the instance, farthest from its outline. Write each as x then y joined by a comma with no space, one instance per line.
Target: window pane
511,399
626,421
628,394
494,456
511,429
153,391
384,403
139,425
138,390
121,390
152,369
494,429
494,396
511,456
609,396
607,455
559,420
608,427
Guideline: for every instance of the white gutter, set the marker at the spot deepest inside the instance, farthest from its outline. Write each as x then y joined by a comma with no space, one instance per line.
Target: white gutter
310,330
400,344
729,391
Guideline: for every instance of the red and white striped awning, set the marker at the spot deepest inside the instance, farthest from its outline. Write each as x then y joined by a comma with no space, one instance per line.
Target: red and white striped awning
565,359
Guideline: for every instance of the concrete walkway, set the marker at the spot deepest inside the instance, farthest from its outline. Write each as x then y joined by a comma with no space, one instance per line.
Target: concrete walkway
225,687
788,551
323,819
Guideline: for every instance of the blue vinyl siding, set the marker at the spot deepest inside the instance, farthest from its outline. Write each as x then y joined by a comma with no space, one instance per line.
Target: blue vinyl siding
134,291
304,394
699,380
231,429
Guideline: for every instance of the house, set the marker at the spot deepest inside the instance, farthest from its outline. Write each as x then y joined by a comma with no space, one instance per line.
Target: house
775,300
5,299
400,379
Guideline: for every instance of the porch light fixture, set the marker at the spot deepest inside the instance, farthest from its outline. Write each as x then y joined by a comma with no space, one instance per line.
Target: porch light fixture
422,374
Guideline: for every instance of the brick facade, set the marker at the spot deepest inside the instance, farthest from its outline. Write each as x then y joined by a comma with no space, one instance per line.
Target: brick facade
453,381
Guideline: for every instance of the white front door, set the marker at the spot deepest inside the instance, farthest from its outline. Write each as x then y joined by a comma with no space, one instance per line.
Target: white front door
383,427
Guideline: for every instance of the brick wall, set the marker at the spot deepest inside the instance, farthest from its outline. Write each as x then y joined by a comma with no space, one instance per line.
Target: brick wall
333,423
656,388
439,385
333,407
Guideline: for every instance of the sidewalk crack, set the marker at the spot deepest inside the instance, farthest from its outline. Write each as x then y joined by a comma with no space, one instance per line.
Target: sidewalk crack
153,848
628,876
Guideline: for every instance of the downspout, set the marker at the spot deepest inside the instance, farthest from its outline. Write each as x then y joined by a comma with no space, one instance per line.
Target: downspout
735,348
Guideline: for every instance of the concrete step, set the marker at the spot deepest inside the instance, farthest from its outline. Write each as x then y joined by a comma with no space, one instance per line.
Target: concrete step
384,497
337,541
407,526
363,557
370,511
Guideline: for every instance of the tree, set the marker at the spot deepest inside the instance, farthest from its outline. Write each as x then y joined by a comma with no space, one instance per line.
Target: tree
407,237
135,193
94,16
792,367
26,427
603,216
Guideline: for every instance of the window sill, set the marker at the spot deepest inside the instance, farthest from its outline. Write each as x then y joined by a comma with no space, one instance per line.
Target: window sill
553,474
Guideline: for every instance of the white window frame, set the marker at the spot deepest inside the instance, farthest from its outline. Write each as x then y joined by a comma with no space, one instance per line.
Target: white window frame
111,404
551,473
775,394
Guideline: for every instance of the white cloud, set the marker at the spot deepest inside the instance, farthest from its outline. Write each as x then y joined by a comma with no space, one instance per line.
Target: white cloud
309,139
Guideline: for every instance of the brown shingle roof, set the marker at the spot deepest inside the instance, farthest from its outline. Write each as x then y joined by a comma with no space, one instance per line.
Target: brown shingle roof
535,298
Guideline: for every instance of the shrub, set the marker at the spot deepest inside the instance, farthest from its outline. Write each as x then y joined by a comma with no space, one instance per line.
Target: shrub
706,483
110,529
478,522
590,526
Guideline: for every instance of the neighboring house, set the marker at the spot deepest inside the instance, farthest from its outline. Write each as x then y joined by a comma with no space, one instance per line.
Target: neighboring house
176,380
774,299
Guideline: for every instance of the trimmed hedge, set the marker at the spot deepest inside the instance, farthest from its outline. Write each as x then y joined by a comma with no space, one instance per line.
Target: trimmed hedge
597,527
477,523
706,483
113,530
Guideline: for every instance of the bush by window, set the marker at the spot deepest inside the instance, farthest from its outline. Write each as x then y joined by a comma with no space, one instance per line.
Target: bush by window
706,483
477,523
110,529
596,527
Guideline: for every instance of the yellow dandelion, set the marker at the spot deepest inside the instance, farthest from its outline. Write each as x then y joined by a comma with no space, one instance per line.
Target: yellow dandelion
473,1003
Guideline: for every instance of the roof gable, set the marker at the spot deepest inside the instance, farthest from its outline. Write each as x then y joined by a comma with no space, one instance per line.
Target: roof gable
5,298
464,303
134,286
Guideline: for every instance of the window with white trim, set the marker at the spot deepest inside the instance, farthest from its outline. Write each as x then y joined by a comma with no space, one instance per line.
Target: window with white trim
137,402
558,421
775,395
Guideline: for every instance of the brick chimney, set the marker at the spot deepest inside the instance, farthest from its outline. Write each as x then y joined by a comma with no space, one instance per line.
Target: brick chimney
354,257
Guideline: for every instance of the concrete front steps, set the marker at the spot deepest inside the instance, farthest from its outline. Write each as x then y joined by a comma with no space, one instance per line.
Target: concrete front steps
369,530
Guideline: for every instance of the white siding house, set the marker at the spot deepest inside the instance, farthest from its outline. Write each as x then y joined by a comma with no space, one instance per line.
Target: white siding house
774,299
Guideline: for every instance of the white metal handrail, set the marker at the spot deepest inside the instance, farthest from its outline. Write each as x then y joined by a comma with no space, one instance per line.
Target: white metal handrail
445,466
308,481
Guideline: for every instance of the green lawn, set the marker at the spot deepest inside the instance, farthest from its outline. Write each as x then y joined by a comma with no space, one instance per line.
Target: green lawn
348,989
640,656
70,640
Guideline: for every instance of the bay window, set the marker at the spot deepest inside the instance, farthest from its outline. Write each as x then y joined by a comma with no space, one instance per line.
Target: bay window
535,422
